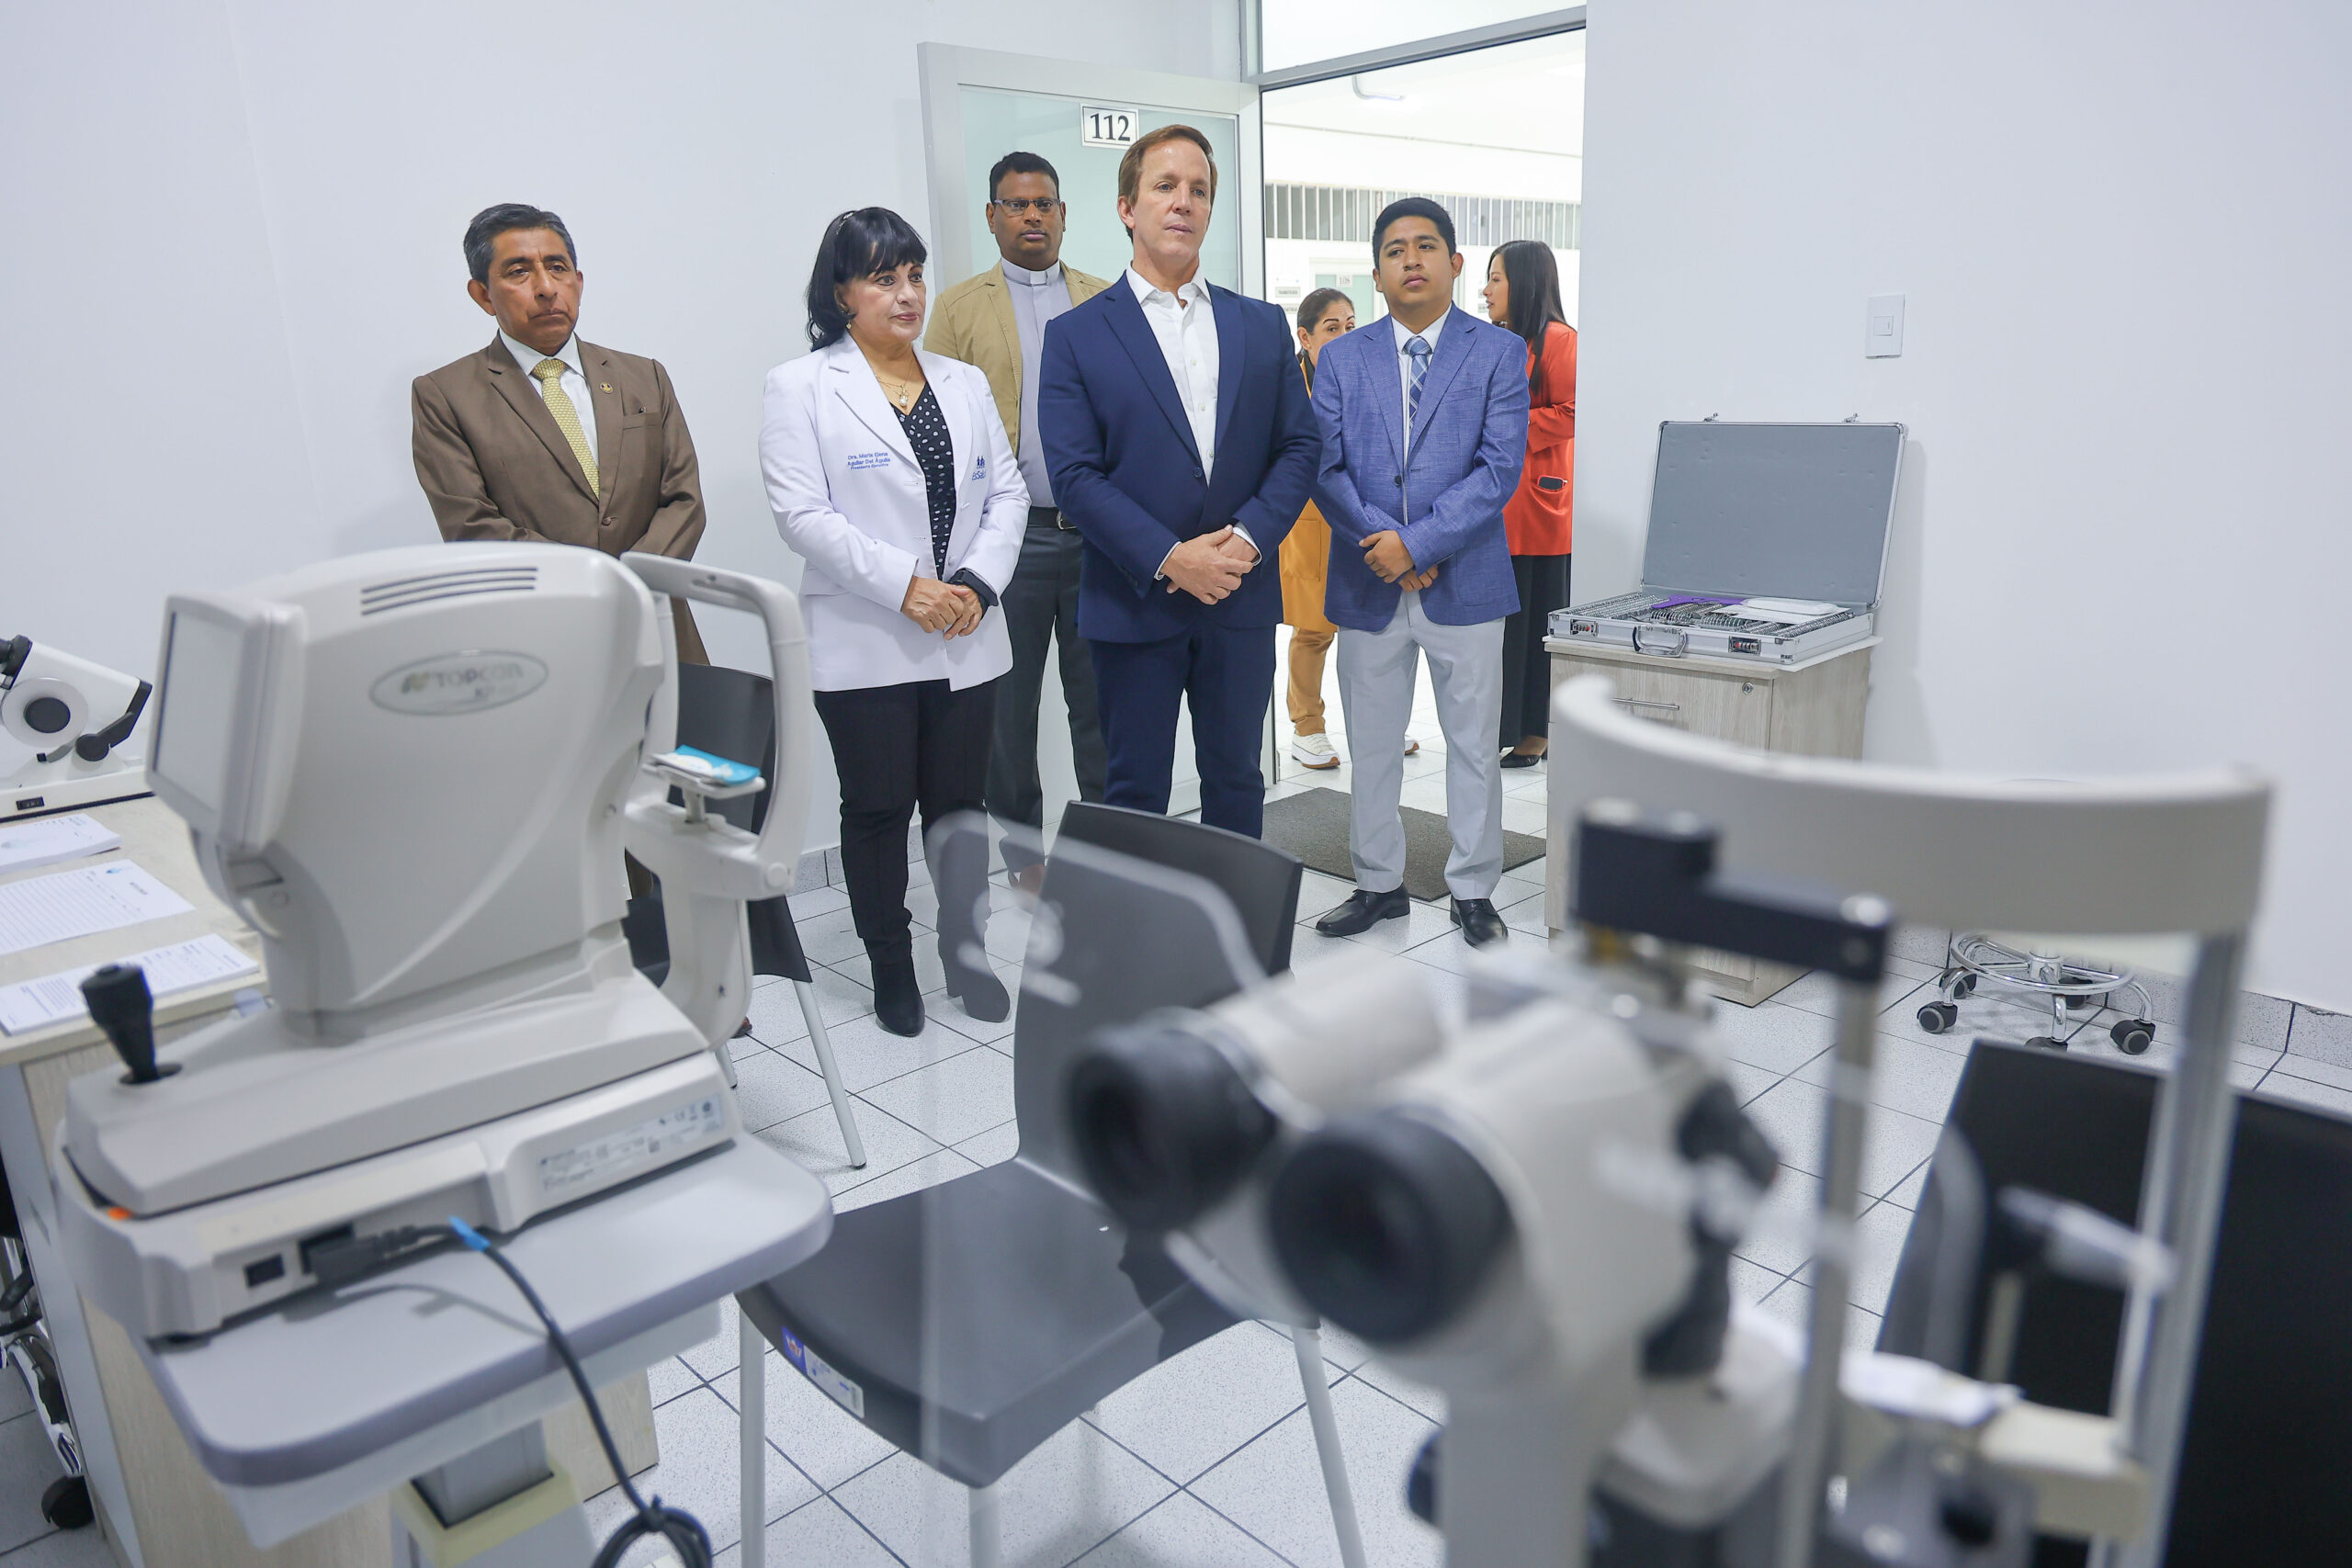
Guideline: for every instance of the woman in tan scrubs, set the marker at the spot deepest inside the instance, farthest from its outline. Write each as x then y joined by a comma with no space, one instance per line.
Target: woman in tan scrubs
1305,554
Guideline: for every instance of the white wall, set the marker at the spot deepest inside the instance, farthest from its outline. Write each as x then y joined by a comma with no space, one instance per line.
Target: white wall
2125,539
232,240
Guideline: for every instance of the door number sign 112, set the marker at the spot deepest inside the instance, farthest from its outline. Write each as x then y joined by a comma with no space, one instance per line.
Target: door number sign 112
1108,125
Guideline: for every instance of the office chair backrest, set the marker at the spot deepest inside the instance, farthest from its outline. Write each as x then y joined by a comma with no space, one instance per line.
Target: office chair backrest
730,714
1114,937
2270,1425
1262,880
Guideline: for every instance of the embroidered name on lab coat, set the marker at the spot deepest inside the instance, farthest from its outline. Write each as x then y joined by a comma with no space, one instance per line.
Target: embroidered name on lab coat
868,460
980,468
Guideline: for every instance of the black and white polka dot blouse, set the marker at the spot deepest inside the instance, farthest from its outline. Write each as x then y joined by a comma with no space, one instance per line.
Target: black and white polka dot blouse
926,430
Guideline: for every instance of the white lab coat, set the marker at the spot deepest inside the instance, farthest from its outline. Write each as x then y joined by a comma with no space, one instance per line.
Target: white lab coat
849,499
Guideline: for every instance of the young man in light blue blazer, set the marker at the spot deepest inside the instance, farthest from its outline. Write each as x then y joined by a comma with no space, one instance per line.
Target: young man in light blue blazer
1424,421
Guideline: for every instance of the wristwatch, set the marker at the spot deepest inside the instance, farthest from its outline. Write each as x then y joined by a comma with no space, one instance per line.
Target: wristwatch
967,578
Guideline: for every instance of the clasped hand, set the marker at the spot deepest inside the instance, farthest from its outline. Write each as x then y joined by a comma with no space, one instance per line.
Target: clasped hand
1385,553
1211,566
946,607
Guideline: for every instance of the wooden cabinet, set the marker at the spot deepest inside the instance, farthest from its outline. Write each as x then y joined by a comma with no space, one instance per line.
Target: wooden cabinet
1814,708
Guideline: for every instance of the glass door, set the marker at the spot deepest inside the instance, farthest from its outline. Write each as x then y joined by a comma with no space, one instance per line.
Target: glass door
980,105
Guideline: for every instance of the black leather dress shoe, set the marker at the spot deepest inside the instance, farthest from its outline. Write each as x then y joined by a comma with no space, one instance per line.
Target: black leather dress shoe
1364,911
1479,921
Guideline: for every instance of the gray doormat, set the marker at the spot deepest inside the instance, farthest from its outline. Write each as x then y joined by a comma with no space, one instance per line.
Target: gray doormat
1313,826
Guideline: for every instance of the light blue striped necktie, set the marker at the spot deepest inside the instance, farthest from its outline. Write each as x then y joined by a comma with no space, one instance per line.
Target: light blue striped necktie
1418,350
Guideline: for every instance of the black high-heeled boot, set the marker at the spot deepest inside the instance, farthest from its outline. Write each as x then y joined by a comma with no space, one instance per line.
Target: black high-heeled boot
897,995
983,995
960,866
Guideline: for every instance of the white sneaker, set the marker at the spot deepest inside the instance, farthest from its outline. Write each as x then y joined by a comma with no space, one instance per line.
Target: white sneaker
1313,752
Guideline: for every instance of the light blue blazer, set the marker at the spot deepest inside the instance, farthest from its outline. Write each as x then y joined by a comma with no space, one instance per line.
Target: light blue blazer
1441,486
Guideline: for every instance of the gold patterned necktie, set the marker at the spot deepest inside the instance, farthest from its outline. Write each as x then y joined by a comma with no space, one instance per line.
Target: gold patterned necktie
549,373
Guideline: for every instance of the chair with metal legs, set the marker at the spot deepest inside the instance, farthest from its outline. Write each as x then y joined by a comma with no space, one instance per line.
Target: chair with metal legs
1263,884
971,1321
729,713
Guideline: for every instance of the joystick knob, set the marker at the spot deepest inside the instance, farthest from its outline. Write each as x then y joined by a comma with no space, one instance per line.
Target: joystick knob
120,1005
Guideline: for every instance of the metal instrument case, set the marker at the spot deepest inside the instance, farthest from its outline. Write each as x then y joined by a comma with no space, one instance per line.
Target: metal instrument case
1753,512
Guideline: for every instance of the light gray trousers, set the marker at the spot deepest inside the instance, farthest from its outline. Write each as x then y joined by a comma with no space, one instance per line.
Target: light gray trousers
1376,673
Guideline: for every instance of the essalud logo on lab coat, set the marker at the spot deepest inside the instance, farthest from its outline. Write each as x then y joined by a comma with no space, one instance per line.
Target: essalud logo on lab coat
448,683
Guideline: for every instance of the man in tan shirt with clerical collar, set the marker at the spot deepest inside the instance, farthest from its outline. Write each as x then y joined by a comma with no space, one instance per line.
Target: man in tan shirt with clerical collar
542,436
996,321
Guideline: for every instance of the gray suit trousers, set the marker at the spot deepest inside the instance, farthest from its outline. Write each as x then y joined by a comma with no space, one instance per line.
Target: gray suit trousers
1376,674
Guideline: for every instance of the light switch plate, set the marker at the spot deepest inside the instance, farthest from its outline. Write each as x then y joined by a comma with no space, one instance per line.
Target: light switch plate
1883,327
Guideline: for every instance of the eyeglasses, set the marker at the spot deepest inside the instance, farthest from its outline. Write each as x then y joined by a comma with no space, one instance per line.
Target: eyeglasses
1021,206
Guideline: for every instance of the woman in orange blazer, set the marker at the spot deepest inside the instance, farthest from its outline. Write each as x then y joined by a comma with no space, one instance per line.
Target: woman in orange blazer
1305,558
1523,294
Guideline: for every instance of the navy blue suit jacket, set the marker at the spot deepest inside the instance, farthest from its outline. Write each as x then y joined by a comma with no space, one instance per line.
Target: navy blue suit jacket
1128,475
1441,486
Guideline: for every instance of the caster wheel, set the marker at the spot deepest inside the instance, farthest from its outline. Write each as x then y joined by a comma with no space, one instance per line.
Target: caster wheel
1937,1017
2046,1042
1421,1485
1966,986
66,1504
2132,1036
2085,1004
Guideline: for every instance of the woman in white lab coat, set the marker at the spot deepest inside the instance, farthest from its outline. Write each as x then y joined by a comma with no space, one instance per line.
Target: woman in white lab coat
891,477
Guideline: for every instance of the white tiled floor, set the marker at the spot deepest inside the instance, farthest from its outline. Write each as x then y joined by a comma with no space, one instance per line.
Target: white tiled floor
1206,1462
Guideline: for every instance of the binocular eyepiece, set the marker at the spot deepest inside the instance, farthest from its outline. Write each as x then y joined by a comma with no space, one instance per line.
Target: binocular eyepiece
1385,1225
1166,1126
1384,1222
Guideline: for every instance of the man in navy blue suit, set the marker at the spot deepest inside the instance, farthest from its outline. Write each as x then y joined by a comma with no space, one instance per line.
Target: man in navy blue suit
1424,421
1182,445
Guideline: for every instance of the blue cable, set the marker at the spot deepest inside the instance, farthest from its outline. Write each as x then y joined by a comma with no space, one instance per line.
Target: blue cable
681,1529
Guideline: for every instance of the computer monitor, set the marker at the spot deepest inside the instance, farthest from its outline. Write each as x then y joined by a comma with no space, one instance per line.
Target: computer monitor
2269,1433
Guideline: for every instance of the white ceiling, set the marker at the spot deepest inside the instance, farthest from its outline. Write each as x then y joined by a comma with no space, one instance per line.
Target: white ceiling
1525,98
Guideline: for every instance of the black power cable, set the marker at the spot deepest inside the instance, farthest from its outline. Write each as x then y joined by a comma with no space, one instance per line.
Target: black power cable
681,1529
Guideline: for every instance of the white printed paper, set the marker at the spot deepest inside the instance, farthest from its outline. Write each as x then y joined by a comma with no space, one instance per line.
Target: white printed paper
45,840
53,998
67,903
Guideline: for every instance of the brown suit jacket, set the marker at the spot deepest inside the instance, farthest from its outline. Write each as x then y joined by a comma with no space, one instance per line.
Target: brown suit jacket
494,466
974,323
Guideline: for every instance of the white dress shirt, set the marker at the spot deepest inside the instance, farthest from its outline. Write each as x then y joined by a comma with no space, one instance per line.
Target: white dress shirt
1184,323
575,385
1405,364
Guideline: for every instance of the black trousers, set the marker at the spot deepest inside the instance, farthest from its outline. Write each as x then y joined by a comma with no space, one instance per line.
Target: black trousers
1040,609
1527,668
919,744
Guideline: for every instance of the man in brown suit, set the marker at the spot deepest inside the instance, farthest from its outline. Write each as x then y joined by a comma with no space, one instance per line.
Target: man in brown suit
542,436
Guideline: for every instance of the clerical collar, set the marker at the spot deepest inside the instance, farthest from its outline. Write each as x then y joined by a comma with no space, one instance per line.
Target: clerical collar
1049,277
